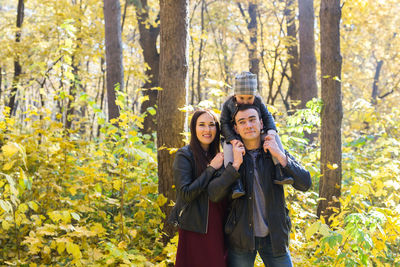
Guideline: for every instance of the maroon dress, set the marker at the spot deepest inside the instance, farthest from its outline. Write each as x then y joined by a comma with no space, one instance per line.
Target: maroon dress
204,250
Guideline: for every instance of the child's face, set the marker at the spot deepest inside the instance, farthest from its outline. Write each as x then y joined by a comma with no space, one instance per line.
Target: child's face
245,99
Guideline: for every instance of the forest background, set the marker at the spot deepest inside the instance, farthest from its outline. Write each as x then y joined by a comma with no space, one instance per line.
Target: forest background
85,161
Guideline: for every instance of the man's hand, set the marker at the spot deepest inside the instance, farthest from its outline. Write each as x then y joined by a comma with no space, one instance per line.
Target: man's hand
271,145
238,153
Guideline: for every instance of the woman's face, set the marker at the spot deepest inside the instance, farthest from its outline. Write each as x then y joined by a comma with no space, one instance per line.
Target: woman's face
206,130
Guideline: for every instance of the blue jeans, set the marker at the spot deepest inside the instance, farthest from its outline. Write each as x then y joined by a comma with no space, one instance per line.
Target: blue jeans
264,248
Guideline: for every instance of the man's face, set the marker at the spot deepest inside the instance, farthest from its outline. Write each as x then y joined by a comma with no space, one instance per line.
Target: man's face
248,124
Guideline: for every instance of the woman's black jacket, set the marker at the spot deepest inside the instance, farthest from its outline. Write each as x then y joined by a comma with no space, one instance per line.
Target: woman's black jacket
191,209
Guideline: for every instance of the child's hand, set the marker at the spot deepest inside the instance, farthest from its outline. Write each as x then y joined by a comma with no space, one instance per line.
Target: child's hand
234,142
271,145
271,131
217,161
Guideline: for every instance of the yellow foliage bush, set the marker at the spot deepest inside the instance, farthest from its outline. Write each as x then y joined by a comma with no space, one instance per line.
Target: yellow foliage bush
64,200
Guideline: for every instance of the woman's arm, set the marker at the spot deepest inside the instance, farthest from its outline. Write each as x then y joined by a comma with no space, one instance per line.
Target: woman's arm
189,187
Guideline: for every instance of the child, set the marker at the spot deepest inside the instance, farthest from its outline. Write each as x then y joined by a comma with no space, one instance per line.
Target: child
245,93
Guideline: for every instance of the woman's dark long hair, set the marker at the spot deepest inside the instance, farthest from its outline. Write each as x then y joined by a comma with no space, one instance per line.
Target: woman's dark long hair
201,157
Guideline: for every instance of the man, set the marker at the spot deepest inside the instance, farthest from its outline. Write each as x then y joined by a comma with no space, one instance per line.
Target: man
258,221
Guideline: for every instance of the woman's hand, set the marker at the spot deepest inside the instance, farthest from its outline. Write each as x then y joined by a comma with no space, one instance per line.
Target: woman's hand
217,161
238,153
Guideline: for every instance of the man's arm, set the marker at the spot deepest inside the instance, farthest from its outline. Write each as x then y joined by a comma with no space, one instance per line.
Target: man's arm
301,177
290,167
220,186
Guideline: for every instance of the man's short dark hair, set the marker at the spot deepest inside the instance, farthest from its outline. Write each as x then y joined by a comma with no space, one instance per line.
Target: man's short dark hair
241,107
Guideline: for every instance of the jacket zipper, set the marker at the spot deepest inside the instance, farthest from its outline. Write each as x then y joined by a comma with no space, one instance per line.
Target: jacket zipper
182,210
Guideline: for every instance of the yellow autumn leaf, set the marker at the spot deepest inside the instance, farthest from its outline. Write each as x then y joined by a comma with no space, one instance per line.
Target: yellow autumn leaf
8,165
74,250
6,225
172,150
72,190
332,166
143,98
55,216
60,247
23,208
98,229
139,215
161,200
312,229
10,149
46,250
122,245
117,184
132,233
5,205
66,216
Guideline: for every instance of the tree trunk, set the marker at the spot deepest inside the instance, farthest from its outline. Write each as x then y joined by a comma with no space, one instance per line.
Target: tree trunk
332,113
115,71
307,72
376,81
203,6
294,88
148,42
1,80
253,55
72,92
103,89
17,65
174,84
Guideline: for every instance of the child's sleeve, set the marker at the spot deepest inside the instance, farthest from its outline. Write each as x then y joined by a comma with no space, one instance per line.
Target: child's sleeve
268,120
226,123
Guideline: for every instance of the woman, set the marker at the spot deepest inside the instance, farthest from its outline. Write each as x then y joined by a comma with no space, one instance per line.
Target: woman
200,221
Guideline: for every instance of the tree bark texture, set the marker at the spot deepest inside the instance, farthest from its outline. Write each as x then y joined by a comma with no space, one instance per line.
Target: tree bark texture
375,87
72,92
148,42
332,113
253,54
17,64
115,71
294,87
307,72
203,7
1,80
174,83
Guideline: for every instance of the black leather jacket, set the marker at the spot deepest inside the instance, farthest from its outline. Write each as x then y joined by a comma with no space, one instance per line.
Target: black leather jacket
191,209
239,224
229,108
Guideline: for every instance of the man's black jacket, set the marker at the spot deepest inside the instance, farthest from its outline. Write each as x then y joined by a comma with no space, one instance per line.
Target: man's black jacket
239,225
